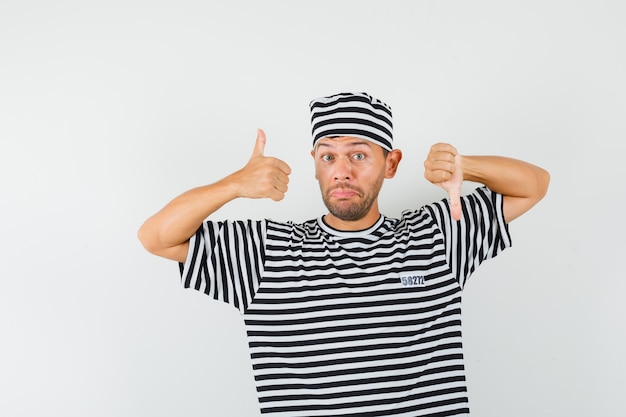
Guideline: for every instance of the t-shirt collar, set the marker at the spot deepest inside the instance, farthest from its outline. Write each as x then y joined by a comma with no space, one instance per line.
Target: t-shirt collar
350,233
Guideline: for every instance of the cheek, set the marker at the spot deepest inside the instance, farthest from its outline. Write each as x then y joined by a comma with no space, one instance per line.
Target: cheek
370,171
317,172
322,171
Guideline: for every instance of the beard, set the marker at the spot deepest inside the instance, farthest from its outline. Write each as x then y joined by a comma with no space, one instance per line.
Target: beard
348,210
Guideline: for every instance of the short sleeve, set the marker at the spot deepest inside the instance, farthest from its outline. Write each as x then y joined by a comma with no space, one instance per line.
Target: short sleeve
225,261
481,234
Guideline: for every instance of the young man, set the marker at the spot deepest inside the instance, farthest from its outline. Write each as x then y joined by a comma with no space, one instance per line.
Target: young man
352,313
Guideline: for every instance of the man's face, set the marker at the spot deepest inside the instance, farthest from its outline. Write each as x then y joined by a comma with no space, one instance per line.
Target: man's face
350,172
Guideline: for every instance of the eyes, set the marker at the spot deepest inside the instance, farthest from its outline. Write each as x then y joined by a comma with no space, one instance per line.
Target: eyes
359,156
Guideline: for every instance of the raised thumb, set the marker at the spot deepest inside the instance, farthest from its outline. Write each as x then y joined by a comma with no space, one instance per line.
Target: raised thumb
259,146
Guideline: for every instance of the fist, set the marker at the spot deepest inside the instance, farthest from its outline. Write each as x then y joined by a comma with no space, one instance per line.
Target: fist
444,168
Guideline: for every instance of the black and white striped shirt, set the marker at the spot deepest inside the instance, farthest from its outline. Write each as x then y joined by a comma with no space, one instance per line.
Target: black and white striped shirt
364,323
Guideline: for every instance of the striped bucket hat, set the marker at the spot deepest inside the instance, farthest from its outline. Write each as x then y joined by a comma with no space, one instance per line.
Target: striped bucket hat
352,114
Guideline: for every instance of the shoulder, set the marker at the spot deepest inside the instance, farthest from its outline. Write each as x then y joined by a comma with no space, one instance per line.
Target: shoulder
477,198
293,230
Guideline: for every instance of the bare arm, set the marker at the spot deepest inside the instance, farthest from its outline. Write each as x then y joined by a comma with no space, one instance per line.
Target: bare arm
167,232
522,184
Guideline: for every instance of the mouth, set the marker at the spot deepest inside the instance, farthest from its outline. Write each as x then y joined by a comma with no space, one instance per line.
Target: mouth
344,193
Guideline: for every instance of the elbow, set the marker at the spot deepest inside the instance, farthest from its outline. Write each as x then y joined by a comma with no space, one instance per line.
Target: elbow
543,183
147,239
150,239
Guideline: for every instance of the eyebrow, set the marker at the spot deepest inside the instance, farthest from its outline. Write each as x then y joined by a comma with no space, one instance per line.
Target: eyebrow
352,144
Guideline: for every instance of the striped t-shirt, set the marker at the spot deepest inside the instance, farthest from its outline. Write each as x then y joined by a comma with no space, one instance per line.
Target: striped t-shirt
364,323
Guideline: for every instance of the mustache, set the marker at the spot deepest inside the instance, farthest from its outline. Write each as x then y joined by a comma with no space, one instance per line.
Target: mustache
346,187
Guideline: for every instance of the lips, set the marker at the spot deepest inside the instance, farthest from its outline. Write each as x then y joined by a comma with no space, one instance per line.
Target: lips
344,193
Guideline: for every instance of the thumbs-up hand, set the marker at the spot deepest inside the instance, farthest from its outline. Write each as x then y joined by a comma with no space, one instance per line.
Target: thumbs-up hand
444,167
259,145
263,176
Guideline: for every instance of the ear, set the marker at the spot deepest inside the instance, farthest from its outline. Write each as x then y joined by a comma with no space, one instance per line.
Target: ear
393,160
313,155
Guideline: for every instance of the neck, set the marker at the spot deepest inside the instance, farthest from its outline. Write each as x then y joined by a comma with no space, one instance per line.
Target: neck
352,225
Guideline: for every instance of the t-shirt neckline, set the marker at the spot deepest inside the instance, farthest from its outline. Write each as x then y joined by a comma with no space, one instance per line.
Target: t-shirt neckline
350,233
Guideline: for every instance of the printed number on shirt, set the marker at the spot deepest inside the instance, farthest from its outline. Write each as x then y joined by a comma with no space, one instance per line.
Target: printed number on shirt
412,280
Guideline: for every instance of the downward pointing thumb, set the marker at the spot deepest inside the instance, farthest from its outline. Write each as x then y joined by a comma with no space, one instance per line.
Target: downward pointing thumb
454,194
259,146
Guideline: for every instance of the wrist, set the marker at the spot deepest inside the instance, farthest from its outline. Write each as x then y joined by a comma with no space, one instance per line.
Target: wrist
230,187
470,168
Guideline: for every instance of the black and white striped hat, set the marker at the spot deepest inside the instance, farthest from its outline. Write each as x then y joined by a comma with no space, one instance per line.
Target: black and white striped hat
352,114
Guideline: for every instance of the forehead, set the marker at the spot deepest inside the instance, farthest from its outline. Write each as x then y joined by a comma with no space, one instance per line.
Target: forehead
341,142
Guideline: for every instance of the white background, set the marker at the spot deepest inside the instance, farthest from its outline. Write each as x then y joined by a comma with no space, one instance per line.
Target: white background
109,109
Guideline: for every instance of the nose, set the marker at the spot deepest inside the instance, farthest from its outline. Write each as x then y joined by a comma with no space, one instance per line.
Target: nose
343,169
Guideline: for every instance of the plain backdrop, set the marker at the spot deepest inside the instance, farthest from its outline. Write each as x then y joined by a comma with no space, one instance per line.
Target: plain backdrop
109,109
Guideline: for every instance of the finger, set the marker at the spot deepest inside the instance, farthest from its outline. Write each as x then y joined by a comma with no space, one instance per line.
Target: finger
259,146
283,167
454,194
440,160
443,157
447,166
281,187
437,176
282,178
443,147
277,194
